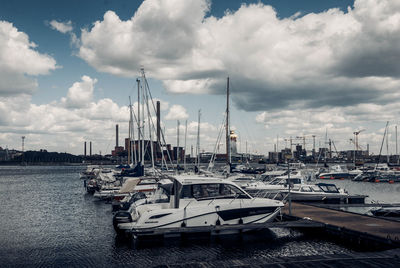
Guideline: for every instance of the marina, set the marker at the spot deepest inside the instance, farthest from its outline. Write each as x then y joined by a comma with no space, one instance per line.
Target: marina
199,133
73,229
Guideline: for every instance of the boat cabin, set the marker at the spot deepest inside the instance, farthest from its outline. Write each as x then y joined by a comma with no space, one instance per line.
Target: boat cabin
328,187
310,188
192,188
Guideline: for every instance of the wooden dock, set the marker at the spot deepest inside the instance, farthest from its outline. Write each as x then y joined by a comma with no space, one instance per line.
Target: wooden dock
359,227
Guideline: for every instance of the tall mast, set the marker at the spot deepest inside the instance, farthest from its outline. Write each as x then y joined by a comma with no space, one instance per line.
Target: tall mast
387,145
129,132
198,142
184,155
177,146
397,154
143,100
228,149
149,124
138,119
133,152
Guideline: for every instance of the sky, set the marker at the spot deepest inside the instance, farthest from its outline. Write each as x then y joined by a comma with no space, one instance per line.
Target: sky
297,68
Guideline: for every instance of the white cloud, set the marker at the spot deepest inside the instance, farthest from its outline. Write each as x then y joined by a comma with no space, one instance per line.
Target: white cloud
80,94
77,118
19,61
62,27
177,112
332,58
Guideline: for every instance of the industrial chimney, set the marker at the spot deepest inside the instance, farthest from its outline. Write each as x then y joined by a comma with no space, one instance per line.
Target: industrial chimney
84,148
90,150
116,135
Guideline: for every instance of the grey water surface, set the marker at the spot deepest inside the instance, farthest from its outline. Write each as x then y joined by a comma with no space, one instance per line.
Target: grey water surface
47,219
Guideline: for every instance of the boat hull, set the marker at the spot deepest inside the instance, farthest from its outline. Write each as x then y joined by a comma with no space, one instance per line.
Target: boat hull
177,220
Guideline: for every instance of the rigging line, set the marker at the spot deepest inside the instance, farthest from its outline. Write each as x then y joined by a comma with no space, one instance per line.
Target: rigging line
150,129
109,142
159,142
383,140
242,123
154,109
216,147
145,143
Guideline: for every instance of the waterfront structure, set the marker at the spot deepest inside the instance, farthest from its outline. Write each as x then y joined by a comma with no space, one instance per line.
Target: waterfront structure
233,138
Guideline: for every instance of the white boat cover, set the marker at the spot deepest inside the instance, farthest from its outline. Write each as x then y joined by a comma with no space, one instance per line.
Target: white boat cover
129,185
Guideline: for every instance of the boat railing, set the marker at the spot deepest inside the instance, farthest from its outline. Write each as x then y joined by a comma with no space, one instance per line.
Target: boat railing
261,194
188,204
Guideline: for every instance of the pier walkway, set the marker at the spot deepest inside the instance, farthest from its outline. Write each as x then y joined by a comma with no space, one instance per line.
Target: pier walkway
361,226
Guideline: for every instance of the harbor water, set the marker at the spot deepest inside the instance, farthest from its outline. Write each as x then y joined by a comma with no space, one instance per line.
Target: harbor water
47,219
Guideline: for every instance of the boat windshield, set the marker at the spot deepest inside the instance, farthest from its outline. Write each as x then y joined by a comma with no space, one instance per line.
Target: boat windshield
315,188
292,181
161,195
328,188
306,189
212,191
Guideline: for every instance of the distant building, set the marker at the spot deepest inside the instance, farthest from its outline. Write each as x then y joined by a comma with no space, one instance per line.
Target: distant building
117,150
233,138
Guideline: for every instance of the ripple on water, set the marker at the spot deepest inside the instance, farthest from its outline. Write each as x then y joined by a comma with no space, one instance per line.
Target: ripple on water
47,220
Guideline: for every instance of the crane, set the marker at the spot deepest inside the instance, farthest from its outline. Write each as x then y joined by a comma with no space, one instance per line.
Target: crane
358,146
356,137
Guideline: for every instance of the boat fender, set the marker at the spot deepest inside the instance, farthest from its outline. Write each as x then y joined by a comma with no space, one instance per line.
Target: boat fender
240,221
218,222
183,224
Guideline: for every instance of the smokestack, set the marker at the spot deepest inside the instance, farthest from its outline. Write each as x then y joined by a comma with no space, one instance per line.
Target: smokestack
116,135
84,148
158,122
90,150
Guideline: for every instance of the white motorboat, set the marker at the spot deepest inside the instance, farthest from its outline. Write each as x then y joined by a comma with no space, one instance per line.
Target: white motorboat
197,201
241,179
338,173
106,192
393,211
146,185
91,172
275,185
320,192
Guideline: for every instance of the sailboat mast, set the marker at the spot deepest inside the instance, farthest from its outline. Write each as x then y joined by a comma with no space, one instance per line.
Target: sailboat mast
133,152
387,145
130,132
228,151
177,147
142,124
198,142
138,119
150,130
184,155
